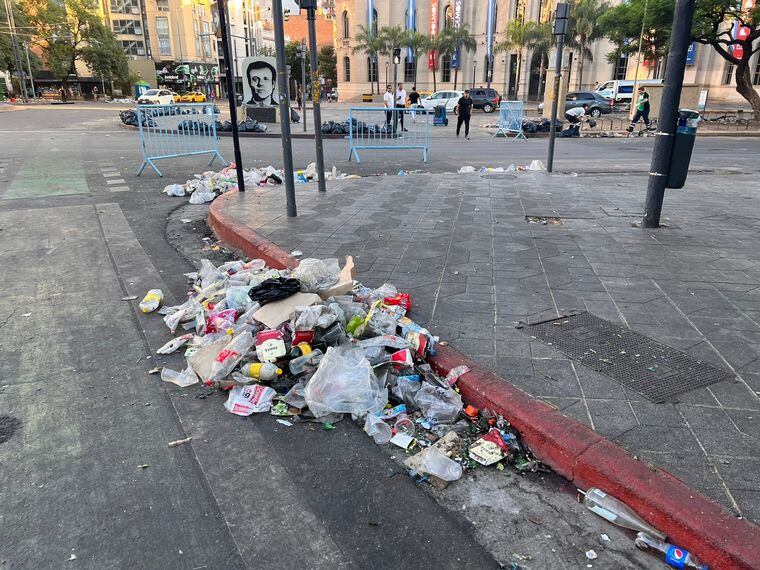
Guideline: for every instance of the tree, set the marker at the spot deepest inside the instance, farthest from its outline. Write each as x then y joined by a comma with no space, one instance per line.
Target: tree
444,44
72,31
327,63
712,26
585,30
418,43
391,38
517,39
464,42
267,51
368,42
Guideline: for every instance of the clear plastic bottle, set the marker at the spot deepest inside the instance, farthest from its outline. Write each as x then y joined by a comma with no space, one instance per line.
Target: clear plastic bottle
437,464
673,555
608,507
264,371
298,365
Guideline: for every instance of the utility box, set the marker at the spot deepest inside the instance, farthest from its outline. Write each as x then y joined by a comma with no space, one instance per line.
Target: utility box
683,145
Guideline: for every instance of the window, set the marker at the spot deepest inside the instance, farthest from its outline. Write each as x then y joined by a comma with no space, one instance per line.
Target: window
371,70
133,48
201,10
131,27
125,6
162,5
346,33
756,78
346,69
585,95
486,68
446,68
728,75
540,10
162,31
409,69
448,18
516,11
621,67
374,21
207,39
197,31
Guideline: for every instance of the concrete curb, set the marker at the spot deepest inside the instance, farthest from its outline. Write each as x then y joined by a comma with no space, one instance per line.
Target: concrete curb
573,450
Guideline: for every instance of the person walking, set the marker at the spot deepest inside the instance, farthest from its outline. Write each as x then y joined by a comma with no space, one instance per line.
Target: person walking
388,103
95,93
642,110
400,106
298,96
464,111
414,101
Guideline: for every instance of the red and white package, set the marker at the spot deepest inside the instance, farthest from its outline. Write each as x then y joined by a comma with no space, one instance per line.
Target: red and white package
246,400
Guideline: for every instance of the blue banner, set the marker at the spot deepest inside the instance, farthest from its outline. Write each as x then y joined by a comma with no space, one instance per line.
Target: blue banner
411,24
458,16
691,54
490,26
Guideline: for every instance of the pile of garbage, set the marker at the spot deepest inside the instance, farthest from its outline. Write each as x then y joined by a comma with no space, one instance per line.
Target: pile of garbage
207,186
245,126
539,125
534,166
129,117
314,345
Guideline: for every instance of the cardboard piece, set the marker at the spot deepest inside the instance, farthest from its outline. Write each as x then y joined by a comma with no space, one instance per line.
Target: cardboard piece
276,313
345,281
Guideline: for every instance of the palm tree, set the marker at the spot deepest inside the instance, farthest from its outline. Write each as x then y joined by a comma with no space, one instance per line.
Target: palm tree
391,38
464,42
444,44
584,30
367,41
517,37
418,43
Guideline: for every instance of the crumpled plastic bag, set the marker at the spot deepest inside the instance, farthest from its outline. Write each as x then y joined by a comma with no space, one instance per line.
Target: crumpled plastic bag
316,274
274,289
309,318
345,383
237,298
208,274
439,405
174,190
202,197
537,165
406,389
466,169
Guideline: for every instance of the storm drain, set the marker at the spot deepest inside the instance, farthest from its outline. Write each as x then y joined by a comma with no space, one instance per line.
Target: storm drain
658,372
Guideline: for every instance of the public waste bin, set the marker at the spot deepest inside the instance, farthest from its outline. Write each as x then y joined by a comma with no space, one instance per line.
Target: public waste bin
686,132
439,117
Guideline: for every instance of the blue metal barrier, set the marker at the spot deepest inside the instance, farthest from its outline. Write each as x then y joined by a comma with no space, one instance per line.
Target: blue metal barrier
182,129
511,115
380,128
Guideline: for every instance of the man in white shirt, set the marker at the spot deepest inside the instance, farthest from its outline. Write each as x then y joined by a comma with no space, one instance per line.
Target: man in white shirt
574,116
388,103
400,104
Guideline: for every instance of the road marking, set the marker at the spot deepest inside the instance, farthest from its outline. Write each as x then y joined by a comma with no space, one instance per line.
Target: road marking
118,188
116,181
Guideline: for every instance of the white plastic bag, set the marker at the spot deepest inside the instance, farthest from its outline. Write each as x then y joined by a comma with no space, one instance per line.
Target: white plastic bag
316,274
309,318
174,190
199,197
466,169
537,165
440,405
345,383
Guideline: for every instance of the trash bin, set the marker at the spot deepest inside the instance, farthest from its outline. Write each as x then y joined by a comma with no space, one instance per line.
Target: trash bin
439,117
686,132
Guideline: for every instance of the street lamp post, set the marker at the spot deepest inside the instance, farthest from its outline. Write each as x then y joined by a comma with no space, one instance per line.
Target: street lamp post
282,88
29,67
474,67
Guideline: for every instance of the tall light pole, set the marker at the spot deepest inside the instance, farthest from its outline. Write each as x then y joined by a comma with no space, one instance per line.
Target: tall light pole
560,29
29,67
15,49
282,88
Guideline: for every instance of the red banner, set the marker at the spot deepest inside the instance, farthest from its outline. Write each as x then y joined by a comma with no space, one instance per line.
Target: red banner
742,32
433,55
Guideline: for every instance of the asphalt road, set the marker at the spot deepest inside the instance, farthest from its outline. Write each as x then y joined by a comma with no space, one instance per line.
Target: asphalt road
83,458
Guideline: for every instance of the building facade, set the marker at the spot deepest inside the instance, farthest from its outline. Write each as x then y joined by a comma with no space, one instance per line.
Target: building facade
525,78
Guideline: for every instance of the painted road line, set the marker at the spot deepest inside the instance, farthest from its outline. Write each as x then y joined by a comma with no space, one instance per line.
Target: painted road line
116,181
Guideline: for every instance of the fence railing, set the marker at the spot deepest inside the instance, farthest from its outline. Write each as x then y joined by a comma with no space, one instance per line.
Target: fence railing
382,129
511,115
182,129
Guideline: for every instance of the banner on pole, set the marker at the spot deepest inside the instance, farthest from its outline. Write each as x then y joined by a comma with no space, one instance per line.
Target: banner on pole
458,16
433,54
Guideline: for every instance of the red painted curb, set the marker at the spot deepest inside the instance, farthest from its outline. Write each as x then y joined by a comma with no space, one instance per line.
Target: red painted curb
569,447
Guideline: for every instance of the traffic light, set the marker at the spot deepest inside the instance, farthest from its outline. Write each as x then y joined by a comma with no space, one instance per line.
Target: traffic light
397,55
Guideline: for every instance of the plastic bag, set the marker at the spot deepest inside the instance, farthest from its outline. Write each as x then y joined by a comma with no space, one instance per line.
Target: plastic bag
202,197
237,297
174,190
440,405
537,165
345,383
274,290
209,274
316,274
406,389
232,354
466,169
309,318
246,400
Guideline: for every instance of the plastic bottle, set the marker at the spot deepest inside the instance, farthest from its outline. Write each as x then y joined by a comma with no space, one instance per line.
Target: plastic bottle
264,371
437,464
673,555
300,349
151,301
608,507
377,429
298,365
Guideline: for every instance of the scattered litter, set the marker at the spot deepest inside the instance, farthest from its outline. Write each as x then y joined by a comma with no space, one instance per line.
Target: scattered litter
591,554
185,221
605,538
285,423
130,298
144,466
26,314
151,301
296,253
466,169
154,370
177,442
617,512
74,556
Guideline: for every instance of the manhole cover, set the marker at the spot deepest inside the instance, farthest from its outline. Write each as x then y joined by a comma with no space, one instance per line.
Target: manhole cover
646,366
8,427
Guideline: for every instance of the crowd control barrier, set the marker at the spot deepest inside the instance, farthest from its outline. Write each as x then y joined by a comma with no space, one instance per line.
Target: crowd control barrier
378,128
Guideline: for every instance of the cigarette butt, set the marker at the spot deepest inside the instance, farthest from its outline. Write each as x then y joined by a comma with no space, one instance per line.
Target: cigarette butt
180,442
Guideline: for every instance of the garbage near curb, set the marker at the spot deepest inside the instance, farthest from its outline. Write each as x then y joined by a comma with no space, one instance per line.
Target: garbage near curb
314,345
535,165
671,554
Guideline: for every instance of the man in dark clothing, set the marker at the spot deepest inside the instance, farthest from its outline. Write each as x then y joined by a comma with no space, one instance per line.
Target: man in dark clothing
464,110
414,101
642,110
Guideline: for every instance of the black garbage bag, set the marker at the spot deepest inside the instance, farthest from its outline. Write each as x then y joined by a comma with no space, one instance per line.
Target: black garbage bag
294,116
274,290
529,127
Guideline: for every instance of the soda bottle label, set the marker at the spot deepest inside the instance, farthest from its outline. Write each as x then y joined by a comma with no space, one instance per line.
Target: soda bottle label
604,513
676,557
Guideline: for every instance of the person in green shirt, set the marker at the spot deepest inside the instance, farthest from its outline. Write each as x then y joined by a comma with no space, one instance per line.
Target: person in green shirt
642,110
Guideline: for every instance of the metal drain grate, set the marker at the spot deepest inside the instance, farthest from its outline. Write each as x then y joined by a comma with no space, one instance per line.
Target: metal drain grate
654,370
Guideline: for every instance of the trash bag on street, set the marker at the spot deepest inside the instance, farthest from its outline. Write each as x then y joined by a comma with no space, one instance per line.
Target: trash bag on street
345,383
439,405
174,190
316,274
274,290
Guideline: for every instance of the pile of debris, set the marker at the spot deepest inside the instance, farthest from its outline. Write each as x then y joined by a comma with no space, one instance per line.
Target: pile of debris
314,345
207,186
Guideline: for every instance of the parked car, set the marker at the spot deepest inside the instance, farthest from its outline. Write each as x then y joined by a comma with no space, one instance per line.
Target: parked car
156,97
597,105
447,98
621,90
193,97
485,99
177,97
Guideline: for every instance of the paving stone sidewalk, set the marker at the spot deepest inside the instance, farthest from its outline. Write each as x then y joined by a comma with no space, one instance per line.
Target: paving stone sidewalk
475,267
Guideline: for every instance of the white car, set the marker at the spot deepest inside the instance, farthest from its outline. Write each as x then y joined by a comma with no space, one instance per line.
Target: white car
448,98
156,97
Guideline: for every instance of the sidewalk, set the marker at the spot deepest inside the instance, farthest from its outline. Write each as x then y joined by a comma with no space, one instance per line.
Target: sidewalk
475,268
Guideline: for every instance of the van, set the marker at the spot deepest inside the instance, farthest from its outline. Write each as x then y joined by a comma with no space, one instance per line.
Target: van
621,90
